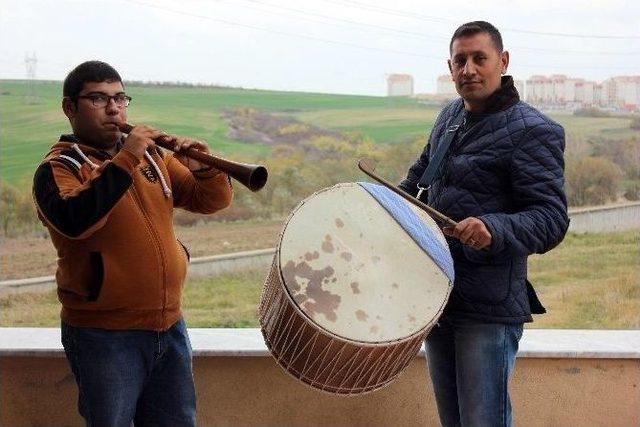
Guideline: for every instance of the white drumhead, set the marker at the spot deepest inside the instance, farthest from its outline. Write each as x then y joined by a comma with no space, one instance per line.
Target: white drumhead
353,271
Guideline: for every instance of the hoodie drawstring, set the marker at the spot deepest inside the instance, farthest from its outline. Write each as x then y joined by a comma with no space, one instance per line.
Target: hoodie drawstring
165,188
85,158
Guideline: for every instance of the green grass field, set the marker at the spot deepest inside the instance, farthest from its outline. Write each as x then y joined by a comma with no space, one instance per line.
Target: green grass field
588,282
28,130
390,125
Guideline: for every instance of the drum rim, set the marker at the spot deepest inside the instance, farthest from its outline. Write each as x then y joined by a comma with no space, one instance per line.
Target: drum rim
308,319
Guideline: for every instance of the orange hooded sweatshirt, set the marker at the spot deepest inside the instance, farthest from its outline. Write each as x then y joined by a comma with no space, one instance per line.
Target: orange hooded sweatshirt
120,265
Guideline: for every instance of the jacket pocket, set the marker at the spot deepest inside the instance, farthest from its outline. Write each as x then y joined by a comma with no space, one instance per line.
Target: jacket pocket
80,277
97,275
484,283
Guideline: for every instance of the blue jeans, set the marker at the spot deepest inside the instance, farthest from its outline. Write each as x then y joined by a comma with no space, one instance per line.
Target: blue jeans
470,363
132,375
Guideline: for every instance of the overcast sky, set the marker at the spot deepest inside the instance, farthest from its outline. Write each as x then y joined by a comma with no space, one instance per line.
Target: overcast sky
335,46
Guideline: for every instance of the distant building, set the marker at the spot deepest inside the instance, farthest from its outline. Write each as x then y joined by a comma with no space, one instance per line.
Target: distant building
597,94
560,91
445,86
534,89
400,85
587,93
519,84
622,92
438,99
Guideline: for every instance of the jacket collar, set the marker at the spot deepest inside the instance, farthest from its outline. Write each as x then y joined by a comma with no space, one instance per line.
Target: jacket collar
503,98
101,154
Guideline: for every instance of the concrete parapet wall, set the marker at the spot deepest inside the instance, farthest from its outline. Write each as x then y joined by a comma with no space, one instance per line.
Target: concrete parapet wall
230,263
585,378
198,267
605,219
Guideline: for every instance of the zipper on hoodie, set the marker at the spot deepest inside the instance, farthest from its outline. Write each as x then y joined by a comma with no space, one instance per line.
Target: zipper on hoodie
156,240
158,246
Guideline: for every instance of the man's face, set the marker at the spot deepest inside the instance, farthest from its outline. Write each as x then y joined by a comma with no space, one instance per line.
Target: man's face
476,67
96,126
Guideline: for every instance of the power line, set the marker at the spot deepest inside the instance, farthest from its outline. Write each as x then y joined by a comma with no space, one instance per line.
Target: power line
380,9
318,39
422,36
284,33
580,36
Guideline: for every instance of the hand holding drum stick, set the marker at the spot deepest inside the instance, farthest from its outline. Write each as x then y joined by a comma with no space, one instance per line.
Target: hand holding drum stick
470,231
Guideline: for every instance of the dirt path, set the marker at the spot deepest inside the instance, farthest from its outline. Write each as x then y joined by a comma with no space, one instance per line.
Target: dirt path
33,256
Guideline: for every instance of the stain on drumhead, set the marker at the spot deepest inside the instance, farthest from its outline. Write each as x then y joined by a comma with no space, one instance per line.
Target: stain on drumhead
327,246
354,287
317,300
362,315
346,256
311,256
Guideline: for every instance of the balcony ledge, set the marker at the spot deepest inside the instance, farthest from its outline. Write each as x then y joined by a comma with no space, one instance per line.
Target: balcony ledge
248,342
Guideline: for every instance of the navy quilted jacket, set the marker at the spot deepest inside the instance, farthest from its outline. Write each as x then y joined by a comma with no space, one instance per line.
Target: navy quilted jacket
505,167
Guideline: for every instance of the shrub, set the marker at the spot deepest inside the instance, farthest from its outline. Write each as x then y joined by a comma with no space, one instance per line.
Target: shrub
592,181
632,190
17,211
591,112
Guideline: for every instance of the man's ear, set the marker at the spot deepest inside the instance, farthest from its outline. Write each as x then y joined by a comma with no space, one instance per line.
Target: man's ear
504,58
450,70
69,107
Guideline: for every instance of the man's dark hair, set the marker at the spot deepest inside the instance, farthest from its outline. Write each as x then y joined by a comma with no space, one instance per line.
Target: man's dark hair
476,27
90,71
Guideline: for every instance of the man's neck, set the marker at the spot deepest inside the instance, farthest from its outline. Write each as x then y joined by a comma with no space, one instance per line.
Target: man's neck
505,96
475,108
111,149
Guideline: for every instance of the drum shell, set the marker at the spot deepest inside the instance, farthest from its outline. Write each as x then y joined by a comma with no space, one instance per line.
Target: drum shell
319,358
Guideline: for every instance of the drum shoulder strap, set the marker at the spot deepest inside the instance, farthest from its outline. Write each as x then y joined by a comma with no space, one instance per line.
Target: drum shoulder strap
441,150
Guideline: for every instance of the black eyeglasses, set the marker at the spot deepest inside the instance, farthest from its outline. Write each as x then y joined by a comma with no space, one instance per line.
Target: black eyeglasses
101,101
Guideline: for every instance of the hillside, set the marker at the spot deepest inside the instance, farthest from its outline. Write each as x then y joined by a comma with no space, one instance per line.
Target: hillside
27,130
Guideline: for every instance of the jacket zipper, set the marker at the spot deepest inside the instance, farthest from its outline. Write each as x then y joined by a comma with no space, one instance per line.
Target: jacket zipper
158,247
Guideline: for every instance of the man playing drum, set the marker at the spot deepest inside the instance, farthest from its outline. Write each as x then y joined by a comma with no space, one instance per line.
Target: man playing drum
495,165
108,203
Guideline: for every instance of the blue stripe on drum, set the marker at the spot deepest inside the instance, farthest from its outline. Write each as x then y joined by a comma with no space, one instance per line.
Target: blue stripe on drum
413,225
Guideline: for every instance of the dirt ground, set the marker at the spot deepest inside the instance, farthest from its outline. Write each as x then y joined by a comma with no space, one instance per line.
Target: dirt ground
33,255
